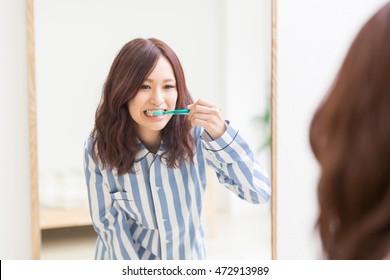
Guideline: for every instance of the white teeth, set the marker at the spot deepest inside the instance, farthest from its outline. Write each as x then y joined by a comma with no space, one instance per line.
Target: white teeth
149,113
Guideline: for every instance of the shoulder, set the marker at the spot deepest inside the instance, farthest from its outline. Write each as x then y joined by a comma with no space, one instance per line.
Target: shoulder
88,145
90,150
91,154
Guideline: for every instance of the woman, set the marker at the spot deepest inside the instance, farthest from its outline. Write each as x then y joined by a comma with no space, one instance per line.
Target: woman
350,137
145,172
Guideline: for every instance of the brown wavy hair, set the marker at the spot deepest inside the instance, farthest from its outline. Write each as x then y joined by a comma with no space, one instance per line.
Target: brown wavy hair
114,134
350,138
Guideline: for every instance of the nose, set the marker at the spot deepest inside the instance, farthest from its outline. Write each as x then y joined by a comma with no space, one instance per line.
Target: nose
157,97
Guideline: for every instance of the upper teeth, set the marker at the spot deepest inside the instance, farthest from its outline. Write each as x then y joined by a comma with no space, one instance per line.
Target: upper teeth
149,112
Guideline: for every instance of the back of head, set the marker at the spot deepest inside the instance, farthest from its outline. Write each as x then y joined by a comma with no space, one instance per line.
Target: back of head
350,137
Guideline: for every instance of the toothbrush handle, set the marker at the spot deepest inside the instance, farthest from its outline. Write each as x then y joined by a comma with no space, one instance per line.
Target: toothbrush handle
178,112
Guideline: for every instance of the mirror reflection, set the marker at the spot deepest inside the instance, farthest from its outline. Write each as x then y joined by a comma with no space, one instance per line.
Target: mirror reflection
224,48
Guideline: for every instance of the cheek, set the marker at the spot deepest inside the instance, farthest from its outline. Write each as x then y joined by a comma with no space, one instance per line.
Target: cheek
131,109
173,98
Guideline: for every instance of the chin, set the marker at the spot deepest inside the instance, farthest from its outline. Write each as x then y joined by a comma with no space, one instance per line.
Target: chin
157,127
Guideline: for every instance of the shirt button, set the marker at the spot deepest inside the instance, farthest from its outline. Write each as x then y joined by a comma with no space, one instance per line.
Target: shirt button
157,188
167,241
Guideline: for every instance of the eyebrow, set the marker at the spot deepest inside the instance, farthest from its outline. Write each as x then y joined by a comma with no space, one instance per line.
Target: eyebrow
165,80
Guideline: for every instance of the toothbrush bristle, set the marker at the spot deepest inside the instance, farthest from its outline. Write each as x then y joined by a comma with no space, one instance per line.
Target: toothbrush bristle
154,113
157,113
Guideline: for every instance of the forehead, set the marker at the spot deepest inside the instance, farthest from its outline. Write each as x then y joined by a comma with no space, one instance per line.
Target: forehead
162,70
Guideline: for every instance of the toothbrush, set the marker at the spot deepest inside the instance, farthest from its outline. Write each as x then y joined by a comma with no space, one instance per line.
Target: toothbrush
158,113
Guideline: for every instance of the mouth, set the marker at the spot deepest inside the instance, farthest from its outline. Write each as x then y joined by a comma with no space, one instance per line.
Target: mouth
154,113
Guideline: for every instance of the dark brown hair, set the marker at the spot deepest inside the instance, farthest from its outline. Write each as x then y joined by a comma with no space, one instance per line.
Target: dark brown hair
350,137
114,133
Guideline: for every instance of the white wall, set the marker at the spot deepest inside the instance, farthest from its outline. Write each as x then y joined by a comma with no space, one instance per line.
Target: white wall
15,197
313,37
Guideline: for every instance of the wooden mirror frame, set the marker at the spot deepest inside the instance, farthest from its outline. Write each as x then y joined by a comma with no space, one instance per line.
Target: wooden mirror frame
36,231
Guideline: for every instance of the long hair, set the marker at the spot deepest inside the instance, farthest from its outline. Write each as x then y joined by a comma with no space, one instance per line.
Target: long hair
114,135
350,138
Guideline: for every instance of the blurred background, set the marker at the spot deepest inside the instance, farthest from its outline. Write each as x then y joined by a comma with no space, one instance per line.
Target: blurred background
225,50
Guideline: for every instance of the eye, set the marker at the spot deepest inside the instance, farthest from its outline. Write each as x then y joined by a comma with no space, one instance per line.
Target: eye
169,86
144,86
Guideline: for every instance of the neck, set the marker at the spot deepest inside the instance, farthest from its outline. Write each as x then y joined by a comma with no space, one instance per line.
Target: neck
153,148
151,141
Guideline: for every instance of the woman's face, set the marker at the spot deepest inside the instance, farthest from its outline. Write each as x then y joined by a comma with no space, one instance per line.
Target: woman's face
158,92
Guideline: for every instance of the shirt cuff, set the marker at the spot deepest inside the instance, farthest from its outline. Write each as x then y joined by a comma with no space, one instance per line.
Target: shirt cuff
229,147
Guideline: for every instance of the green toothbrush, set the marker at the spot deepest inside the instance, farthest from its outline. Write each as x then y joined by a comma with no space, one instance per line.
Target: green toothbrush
158,113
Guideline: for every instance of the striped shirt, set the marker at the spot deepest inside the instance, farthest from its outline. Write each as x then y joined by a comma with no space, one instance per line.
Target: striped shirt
155,213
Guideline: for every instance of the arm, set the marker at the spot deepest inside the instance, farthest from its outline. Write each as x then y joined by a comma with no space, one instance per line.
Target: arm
229,155
234,163
108,217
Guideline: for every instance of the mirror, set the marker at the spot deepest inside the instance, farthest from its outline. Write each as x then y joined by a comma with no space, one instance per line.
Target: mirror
225,49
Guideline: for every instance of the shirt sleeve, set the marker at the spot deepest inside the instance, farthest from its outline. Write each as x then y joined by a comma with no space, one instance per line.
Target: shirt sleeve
236,167
108,211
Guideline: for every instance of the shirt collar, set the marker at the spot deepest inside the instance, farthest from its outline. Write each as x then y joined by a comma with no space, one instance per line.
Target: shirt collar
143,151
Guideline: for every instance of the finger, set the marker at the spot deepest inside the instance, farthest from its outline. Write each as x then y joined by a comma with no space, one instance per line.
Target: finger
212,129
200,116
196,108
199,122
204,103
209,115
207,122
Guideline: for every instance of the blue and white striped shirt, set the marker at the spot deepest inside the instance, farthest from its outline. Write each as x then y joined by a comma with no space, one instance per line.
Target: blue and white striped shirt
155,213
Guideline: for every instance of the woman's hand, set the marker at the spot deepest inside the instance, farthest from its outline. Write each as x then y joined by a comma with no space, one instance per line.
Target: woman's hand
208,116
